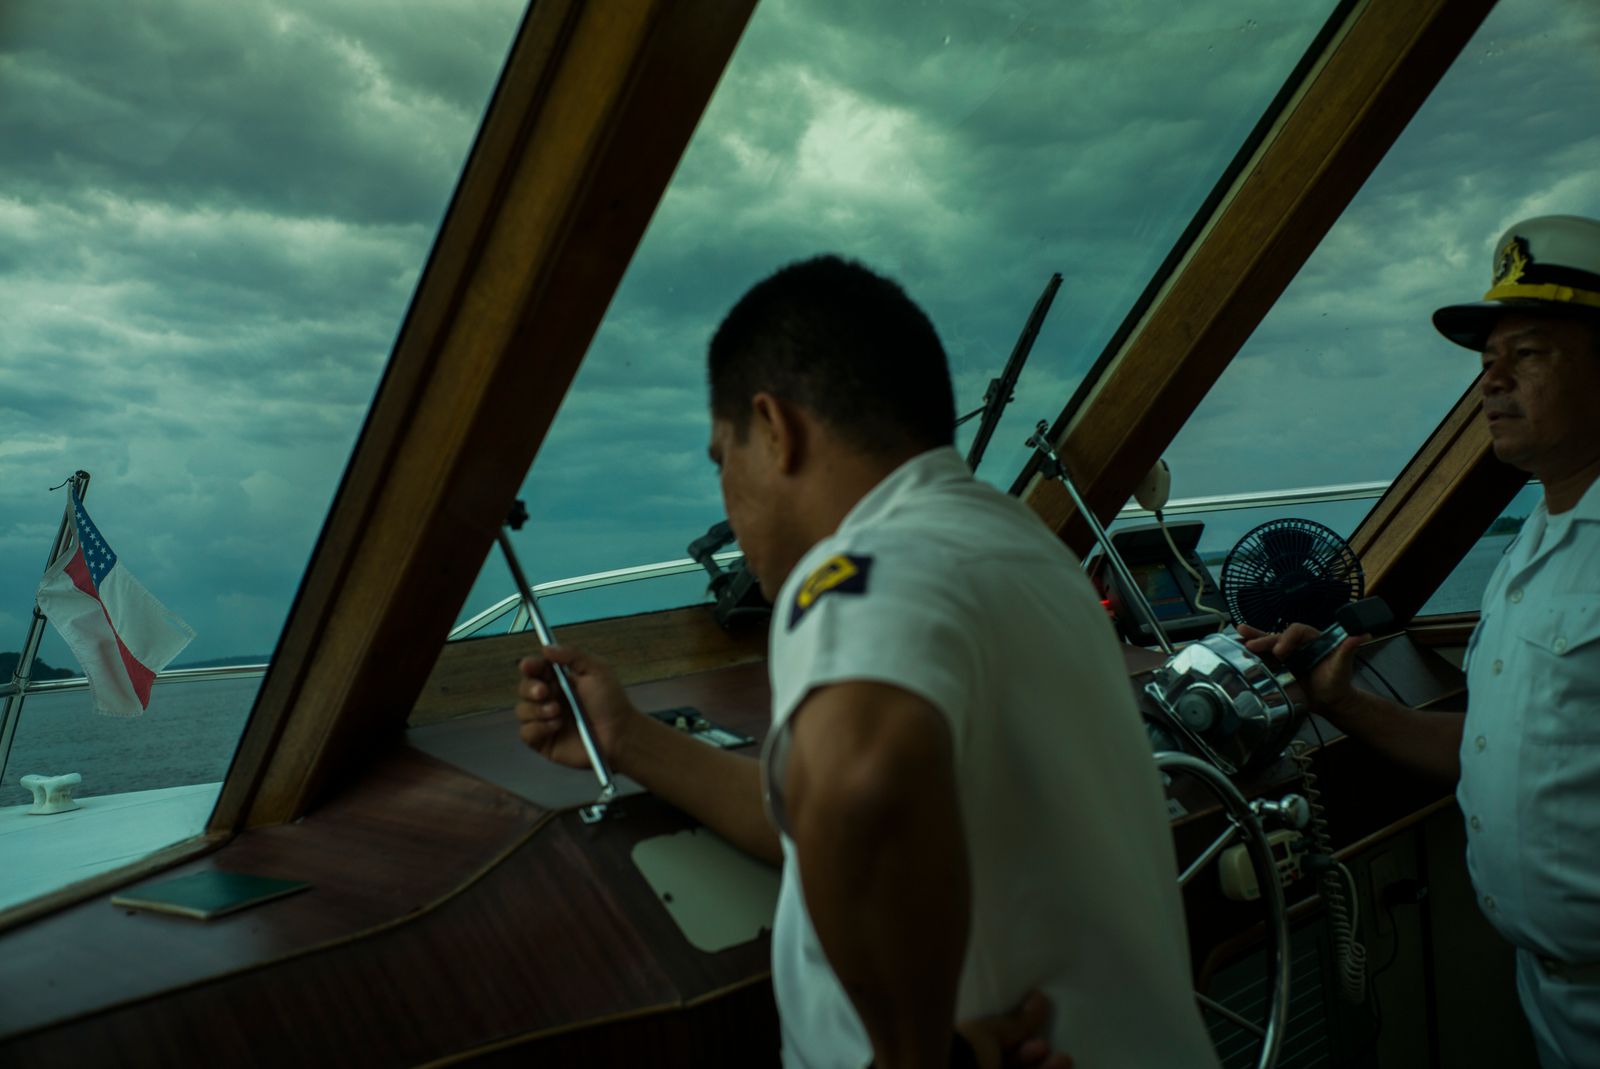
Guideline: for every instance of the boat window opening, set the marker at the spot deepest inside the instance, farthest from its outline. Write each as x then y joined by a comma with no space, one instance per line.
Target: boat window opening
1463,590
1225,524
966,150
1346,376
213,218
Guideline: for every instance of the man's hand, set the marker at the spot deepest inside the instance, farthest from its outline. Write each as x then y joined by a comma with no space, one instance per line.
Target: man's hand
1330,686
1015,1040
547,723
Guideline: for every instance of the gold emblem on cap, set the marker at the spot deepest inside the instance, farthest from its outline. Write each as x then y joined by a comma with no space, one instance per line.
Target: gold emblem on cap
1512,261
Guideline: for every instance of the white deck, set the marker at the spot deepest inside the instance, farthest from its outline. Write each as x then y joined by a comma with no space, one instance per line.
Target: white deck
43,853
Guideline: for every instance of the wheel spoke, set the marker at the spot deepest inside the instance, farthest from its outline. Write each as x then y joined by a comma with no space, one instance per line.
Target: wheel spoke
1209,854
1222,1011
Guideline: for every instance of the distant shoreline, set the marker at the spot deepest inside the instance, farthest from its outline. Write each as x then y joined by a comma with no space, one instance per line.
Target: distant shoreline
42,671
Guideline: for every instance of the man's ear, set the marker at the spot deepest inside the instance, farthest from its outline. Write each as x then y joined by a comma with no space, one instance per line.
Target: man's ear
782,430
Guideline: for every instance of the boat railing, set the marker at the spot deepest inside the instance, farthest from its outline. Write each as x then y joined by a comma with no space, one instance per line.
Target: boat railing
593,581
512,603
1302,495
173,675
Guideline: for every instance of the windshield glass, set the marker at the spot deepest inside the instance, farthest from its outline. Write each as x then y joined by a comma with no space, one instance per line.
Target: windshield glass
212,217
1346,376
966,150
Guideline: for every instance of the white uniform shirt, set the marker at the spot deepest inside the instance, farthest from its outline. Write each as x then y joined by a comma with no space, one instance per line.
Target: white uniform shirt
1530,746
943,586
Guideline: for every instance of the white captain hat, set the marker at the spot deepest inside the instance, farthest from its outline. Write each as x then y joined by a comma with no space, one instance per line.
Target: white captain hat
1548,265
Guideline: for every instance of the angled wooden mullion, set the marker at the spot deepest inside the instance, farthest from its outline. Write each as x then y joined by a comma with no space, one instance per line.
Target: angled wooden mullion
1436,509
1374,74
595,108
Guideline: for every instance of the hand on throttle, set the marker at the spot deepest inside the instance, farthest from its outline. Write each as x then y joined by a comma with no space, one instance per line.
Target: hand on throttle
548,725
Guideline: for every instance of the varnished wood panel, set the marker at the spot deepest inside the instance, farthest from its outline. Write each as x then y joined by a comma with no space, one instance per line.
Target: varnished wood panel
1443,631
1412,673
736,1029
410,832
564,934
594,111
559,949
487,745
477,675
1375,74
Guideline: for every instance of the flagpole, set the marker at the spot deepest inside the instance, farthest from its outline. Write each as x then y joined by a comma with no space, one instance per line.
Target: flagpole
16,691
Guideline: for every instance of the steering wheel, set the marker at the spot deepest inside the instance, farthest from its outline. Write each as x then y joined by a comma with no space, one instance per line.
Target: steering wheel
1243,822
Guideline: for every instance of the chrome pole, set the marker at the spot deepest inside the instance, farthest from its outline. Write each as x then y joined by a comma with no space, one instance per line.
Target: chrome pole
1055,468
608,787
16,691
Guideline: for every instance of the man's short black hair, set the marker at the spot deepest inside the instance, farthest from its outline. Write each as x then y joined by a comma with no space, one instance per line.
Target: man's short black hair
844,343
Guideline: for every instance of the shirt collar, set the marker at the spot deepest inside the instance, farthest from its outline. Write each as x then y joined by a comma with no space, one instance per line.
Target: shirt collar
939,465
1588,506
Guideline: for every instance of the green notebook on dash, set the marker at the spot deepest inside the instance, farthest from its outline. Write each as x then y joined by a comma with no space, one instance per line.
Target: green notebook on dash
207,894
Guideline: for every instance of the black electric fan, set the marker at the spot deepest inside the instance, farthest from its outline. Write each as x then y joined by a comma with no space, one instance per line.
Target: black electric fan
1290,571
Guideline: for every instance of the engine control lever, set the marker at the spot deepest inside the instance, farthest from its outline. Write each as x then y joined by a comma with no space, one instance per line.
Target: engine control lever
595,812
1365,617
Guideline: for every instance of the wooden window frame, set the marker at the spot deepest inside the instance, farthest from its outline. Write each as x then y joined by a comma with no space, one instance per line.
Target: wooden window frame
1379,67
592,114
1436,509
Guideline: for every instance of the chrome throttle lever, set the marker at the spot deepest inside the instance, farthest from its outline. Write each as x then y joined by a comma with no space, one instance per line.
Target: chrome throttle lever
589,814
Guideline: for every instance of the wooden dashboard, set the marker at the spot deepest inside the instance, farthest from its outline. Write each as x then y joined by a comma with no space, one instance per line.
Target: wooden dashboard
460,910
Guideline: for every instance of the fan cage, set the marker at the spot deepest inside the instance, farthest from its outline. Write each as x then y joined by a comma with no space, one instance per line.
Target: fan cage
1290,571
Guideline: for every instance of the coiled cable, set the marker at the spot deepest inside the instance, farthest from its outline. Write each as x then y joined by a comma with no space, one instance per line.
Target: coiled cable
1344,915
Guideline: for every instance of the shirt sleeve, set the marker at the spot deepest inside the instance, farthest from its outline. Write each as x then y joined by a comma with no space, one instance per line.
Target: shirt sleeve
856,618
859,617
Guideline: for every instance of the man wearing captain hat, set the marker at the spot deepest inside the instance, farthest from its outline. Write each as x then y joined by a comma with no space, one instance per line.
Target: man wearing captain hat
1527,754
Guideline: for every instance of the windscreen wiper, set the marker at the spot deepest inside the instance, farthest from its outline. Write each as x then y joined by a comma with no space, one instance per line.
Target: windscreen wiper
1001,390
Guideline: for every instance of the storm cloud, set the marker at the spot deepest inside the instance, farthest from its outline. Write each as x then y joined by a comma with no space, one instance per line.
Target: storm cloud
212,218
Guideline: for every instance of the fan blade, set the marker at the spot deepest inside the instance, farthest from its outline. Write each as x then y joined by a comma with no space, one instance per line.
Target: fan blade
1287,544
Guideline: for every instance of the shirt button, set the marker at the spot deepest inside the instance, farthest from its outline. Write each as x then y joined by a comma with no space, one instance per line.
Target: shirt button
1516,595
1480,742
1477,825
1497,666
1560,645
1489,904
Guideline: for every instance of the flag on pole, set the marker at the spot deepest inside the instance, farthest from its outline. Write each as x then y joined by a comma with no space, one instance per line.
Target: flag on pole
121,635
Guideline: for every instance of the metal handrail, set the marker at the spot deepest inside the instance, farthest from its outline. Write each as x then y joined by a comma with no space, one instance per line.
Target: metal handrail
684,565
592,581
176,675
1185,506
1304,495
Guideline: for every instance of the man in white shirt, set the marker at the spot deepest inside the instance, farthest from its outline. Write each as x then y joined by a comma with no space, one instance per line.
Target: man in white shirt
1528,752
956,782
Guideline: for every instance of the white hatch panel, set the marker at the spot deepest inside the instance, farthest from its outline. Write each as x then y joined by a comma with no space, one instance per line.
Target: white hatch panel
719,896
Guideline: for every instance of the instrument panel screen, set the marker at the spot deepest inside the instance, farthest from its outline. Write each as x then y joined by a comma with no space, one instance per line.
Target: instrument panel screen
1161,589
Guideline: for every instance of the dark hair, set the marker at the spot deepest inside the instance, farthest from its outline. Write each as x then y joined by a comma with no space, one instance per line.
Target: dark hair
848,345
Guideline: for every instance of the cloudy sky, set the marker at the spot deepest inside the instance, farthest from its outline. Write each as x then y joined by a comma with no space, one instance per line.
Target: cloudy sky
212,217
